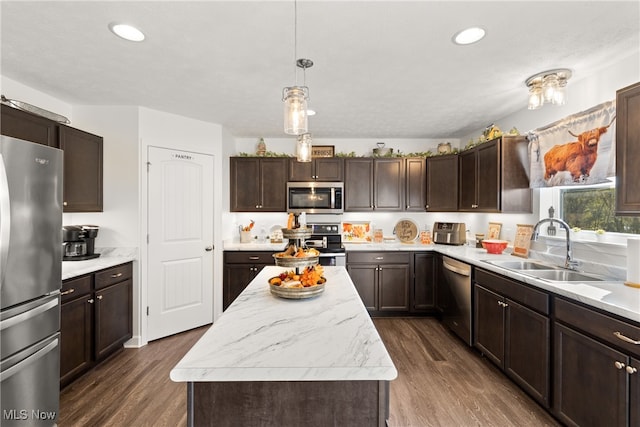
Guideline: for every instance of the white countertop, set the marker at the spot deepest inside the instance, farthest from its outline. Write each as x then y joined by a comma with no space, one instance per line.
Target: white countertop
108,258
261,337
611,296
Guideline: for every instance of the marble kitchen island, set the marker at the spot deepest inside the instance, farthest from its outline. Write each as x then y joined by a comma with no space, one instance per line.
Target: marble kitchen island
273,361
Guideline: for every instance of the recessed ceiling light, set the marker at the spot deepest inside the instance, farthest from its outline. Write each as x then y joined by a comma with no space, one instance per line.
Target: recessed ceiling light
469,35
126,32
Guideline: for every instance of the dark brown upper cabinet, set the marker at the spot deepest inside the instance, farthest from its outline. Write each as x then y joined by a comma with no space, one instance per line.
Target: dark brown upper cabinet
321,169
374,184
29,127
628,151
82,155
442,183
415,184
258,184
494,178
82,170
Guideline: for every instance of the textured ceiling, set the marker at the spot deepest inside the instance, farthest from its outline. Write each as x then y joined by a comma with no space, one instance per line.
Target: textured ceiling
383,69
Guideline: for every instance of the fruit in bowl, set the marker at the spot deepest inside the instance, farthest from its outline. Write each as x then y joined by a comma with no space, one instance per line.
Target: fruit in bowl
494,246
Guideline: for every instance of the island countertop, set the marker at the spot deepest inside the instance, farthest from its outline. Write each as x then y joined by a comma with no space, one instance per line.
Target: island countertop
261,337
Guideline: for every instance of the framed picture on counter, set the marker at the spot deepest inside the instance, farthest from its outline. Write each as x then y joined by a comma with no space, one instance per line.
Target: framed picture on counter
522,242
323,150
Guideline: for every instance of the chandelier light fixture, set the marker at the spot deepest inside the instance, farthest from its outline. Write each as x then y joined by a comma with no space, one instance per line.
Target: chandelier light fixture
295,97
303,147
548,87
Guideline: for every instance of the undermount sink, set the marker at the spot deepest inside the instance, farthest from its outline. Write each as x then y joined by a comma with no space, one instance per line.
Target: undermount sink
523,265
564,276
548,272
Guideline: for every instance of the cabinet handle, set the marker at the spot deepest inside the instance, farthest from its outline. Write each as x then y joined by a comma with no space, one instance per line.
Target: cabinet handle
64,203
618,365
503,304
254,258
90,301
426,207
379,258
70,291
99,297
626,339
115,276
631,370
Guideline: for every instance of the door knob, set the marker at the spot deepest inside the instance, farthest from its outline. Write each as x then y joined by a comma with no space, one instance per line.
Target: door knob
208,248
619,365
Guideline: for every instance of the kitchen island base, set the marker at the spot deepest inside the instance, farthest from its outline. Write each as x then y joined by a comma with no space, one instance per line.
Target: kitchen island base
288,403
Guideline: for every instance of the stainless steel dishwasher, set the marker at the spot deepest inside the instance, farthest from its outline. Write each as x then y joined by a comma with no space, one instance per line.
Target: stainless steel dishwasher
457,313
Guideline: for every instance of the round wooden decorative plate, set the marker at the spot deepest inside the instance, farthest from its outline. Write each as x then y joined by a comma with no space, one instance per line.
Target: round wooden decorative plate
406,230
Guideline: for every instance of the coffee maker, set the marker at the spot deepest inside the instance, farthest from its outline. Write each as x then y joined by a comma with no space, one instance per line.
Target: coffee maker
78,242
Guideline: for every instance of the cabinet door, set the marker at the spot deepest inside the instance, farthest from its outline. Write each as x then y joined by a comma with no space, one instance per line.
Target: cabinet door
489,324
364,278
393,286
300,171
468,200
628,151
588,388
329,170
488,176
273,185
75,338
245,184
634,392
442,183
113,322
424,281
236,279
527,357
416,185
389,184
358,184
82,170
29,127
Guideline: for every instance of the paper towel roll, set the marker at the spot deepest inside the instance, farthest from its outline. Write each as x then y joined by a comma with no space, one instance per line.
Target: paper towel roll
633,260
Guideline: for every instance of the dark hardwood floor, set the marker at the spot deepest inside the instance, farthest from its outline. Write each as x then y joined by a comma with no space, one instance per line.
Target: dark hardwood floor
441,382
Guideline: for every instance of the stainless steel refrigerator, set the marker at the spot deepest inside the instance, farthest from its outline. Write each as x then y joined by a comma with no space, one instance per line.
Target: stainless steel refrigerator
30,281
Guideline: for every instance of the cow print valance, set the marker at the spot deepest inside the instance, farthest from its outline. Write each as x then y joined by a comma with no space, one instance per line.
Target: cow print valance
577,150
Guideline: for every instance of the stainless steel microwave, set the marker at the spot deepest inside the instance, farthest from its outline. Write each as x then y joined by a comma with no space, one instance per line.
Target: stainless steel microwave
315,197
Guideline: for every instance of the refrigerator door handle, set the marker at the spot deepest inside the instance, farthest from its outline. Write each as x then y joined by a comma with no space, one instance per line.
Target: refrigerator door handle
14,320
9,372
5,219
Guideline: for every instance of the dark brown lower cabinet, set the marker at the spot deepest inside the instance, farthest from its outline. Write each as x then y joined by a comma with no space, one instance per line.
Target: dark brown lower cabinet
514,336
95,319
240,268
382,279
596,368
424,282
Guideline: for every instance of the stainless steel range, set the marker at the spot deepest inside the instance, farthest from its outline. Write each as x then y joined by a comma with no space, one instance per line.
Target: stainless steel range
327,239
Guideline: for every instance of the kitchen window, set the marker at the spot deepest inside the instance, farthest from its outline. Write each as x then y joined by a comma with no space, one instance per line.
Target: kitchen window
594,209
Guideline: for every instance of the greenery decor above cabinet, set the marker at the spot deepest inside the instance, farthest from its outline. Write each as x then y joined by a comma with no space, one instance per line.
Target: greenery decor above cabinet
258,184
328,169
82,155
628,151
493,177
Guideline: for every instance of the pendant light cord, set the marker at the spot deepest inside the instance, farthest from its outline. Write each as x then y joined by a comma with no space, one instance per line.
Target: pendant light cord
295,41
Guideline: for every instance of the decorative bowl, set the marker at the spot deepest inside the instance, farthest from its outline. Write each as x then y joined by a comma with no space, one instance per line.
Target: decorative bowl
494,246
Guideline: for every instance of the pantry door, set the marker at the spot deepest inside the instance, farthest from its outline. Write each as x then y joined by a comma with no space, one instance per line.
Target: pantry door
180,241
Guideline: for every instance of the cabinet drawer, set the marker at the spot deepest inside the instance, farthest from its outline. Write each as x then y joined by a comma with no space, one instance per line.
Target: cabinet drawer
73,288
241,257
516,291
378,257
113,275
598,325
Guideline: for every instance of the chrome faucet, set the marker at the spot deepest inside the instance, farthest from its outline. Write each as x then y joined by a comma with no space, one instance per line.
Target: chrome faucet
569,262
